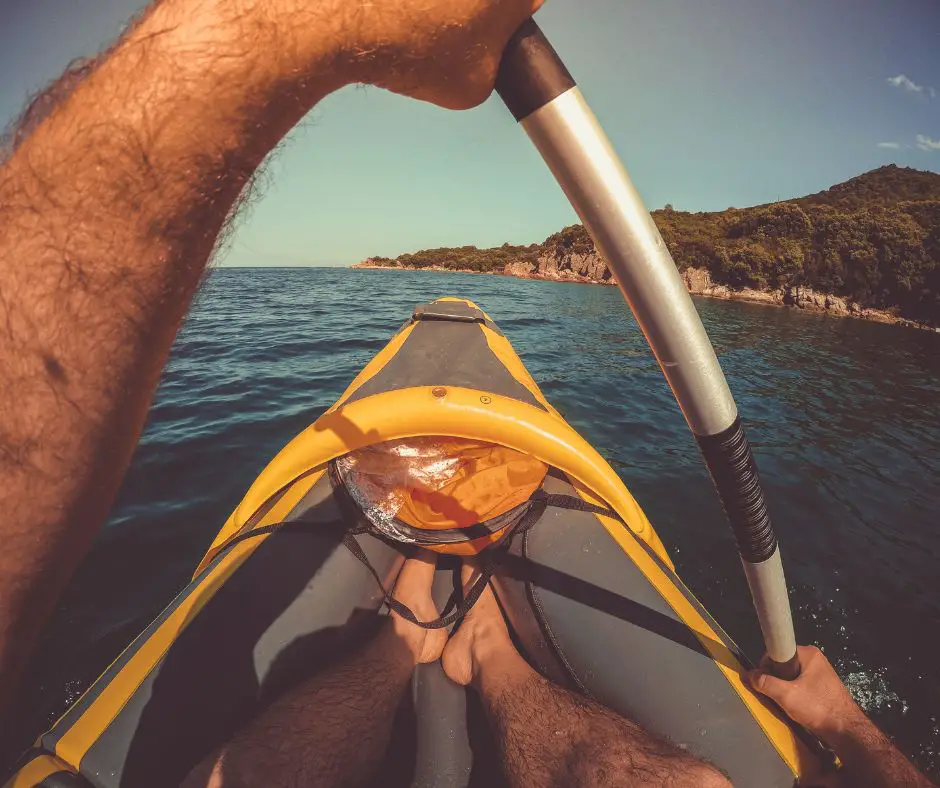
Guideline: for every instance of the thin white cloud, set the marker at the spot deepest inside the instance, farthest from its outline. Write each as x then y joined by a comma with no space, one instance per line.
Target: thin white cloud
892,145
926,143
908,85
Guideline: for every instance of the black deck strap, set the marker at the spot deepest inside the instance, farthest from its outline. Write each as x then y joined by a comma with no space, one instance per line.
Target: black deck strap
734,472
287,526
573,503
459,610
557,473
559,501
454,610
260,512
424,537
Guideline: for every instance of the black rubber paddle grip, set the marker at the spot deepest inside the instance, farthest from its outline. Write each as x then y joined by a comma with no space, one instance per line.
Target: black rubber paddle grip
530,74
734,472
789,670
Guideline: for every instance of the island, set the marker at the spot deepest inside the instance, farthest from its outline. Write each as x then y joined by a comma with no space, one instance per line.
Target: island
869,248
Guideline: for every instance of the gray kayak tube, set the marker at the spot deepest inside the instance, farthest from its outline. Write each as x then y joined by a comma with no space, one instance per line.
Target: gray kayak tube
541,94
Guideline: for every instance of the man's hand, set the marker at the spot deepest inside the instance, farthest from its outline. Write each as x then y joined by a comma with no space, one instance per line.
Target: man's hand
817,700
443,52
113,193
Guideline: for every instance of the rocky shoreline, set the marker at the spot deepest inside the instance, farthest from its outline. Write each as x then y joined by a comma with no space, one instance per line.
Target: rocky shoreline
698,281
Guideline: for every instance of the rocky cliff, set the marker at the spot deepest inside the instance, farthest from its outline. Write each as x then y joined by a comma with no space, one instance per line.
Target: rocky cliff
591,269
575,267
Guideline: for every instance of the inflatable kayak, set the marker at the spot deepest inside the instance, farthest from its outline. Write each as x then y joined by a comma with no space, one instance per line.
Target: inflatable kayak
586,585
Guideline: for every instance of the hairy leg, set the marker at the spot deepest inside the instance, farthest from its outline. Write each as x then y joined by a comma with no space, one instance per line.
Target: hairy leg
549,736
334,730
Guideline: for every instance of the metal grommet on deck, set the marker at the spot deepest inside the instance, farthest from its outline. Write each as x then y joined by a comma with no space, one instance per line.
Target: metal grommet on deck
486,400
439,392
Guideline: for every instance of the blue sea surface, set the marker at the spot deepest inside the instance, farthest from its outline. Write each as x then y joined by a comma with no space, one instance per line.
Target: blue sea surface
844,417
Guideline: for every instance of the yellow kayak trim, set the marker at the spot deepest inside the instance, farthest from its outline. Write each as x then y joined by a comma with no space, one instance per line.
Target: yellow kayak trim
504,352
456,412
500,346
479,415
36,771
82,735
376,365
239,518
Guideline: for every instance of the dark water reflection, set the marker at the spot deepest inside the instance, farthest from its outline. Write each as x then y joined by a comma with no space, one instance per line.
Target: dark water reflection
844,417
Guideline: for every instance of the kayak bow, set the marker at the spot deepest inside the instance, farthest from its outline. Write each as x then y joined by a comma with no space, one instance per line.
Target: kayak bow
591,596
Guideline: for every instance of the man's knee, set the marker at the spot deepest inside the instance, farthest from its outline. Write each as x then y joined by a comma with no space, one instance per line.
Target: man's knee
704,775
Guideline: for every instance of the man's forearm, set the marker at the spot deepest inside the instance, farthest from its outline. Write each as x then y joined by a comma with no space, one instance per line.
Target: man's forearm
869,759
819,701
109,211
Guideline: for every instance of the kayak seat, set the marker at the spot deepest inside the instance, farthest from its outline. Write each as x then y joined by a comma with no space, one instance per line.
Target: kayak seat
296,604
587,617
581,611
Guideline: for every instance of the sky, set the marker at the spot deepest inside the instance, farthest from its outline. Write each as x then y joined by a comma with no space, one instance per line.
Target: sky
711,104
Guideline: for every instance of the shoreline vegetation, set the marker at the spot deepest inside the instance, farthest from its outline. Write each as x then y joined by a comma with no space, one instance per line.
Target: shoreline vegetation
868,248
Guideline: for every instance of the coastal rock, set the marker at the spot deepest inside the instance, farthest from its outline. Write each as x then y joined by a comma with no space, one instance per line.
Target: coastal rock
574,267
519,268
698,281
807,298
828,240
590,268
376,262
571,266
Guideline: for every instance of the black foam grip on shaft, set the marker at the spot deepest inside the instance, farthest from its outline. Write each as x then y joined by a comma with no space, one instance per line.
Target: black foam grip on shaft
789,670
734,472
530,74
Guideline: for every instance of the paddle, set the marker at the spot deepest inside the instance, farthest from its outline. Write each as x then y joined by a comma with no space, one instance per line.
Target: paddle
543,97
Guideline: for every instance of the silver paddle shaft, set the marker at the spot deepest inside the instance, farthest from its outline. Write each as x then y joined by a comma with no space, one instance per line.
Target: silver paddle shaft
544,98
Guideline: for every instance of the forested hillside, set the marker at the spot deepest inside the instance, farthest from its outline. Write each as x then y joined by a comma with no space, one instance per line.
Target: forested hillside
468,258
874,240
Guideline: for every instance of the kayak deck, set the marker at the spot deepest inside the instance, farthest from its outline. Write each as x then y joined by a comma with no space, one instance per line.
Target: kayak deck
592,599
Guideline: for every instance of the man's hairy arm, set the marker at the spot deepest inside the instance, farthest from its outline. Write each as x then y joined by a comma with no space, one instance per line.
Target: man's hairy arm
112,197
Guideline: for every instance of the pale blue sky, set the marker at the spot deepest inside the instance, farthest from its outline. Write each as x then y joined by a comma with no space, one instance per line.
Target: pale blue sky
711,104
